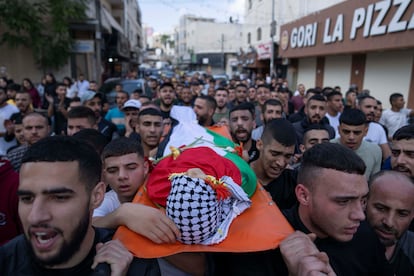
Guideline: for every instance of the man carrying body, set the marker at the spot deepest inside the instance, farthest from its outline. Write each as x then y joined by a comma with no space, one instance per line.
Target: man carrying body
241,122
276,148
204,107
59,188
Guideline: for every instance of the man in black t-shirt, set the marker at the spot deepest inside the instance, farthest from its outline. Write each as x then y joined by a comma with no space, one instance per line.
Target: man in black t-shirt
276,148
59,188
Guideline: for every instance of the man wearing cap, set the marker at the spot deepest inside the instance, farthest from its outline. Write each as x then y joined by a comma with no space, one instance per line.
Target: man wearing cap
107,128
131,109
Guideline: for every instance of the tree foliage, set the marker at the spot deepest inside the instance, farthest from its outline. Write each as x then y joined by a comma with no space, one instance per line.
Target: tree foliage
41,25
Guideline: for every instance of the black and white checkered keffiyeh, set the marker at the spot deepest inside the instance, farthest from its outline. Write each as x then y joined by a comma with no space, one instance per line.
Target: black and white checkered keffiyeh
203,219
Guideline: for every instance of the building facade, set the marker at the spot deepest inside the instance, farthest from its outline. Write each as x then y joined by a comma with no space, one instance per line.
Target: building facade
206,45
367,43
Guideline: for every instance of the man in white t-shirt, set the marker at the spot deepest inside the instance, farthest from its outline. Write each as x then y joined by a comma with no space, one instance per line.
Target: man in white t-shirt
376,133
397,116
334,107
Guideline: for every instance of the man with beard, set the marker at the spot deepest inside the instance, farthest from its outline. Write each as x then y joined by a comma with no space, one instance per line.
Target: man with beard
315,110
35,127
222,110
402,150
6,110
390,209
166,101
376,133
241,122
107,128
204,107
276,148
59,189
271,109
23,103
186,97
150,127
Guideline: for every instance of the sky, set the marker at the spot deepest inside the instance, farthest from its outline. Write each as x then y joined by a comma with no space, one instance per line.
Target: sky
163,15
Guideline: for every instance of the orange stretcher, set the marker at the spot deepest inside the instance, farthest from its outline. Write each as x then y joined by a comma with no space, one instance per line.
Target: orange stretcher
261,227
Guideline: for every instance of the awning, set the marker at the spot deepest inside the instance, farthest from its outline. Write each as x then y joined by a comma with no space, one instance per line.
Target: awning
108,21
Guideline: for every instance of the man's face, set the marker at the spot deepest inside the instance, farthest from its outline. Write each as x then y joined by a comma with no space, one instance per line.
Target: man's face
352,136
125,174
241,125
23,101
93,86
121,98
252,94
390,207
272,112
167,95
301,89
96,105
315,111
241,94
378,112
335,103
35,128
314,137
221,98
402,156
18,133
262,95
232,95
54,208
11,93
336,204
61,91
186,95
202,111
369,107
398,102
274,157
77,124
150,129
282,96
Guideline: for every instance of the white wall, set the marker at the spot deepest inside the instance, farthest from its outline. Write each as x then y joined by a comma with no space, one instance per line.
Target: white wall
338,71
388,72
306,72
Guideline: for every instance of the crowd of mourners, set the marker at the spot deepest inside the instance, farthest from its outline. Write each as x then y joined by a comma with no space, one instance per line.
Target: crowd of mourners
338,166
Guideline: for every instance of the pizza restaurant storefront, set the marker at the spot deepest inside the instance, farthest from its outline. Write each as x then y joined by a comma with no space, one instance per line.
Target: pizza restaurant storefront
368,43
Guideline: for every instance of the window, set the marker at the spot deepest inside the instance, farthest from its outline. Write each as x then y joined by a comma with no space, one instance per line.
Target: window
249,38
259,34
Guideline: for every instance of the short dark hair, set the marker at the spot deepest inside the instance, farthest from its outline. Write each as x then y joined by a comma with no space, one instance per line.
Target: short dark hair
93,137
353,117
317,97
273,102
332,94
328,156
67,149
122,146
362,97
211,102
39,114
13,86
150,111
166,84
404,133
241,85
314,127
395,96
280,130
82,112
222,89
244,106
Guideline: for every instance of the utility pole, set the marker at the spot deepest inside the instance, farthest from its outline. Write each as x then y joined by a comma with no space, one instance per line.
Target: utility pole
98,39
222,53
272,34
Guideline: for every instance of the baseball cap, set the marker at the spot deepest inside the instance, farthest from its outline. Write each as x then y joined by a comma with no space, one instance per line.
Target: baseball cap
132,104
